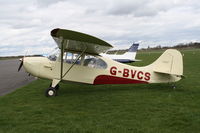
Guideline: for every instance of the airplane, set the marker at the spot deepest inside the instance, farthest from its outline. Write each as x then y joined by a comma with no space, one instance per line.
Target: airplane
127,57
78,60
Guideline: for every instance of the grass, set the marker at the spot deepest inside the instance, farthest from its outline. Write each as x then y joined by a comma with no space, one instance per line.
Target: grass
154,108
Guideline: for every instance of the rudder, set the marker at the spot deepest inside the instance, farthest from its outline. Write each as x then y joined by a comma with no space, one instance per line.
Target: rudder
170,62
134,47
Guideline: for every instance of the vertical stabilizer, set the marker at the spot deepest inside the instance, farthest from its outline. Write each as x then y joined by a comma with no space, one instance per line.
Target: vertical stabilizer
170,62
131,54
134,47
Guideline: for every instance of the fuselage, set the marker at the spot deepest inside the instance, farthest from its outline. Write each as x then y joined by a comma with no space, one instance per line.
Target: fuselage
111,72
124,58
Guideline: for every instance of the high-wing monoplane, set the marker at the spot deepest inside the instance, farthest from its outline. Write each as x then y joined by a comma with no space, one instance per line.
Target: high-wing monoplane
78,60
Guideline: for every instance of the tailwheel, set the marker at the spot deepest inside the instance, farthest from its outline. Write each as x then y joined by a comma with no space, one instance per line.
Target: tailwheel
51,92
173,86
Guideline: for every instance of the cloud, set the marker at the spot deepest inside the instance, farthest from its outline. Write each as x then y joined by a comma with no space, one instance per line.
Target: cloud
26,25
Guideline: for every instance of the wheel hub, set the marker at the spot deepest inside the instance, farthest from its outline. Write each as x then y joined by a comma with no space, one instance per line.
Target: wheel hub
50,92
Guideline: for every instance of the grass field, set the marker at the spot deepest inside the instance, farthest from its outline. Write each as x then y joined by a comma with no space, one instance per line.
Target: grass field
143,108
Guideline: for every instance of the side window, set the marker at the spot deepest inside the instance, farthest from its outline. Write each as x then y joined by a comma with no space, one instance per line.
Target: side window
94,62
71,58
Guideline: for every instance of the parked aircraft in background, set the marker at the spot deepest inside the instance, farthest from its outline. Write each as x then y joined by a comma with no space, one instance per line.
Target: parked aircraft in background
127,57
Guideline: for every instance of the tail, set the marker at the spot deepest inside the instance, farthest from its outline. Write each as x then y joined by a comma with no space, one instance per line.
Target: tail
134,47
170,62
131,54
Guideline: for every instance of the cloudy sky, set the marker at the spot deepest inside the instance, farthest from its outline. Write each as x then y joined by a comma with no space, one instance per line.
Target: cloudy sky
25,25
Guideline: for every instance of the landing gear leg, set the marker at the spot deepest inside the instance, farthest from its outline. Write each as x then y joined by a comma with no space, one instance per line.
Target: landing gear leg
57,87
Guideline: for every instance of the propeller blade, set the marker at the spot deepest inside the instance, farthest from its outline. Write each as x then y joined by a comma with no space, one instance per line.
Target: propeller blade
20,66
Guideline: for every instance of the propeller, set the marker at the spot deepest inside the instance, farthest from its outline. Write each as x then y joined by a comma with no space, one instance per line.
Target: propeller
21,64
22,61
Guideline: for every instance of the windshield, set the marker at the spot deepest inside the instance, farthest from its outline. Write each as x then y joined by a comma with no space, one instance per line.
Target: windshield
53,55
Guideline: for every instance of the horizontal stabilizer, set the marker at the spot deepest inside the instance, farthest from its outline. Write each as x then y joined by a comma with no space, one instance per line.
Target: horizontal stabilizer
182,76
137,60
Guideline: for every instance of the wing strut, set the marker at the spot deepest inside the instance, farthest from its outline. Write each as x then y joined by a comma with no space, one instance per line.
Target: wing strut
74,62
63,44
61,58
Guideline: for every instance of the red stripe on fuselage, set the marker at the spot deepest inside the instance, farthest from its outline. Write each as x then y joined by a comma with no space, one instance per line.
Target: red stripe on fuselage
106,79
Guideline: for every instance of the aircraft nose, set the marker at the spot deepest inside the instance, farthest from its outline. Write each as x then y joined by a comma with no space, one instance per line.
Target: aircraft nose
31,65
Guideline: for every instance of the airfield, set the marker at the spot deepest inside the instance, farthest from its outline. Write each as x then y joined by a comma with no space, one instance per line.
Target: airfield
10,78
78,108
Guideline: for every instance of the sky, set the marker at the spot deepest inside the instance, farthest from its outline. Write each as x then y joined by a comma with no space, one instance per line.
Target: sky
25,25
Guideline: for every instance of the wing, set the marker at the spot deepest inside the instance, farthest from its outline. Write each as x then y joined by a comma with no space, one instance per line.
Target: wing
76,41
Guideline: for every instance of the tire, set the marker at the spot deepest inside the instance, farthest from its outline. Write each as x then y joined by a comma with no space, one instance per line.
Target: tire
50,92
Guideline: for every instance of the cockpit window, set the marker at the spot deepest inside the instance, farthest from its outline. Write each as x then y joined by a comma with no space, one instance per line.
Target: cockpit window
94,62
71,58
53,56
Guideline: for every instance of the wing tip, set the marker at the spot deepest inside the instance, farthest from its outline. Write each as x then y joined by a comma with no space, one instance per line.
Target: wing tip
54,32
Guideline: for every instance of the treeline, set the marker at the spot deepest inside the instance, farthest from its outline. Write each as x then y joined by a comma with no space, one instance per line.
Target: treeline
191,45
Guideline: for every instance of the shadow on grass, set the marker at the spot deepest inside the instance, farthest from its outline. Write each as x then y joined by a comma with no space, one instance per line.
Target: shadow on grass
66,89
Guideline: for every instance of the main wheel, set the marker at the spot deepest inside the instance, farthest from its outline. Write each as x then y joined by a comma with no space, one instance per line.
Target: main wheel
50,92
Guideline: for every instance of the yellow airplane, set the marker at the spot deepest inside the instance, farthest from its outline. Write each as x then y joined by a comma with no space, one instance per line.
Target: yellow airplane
78,60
